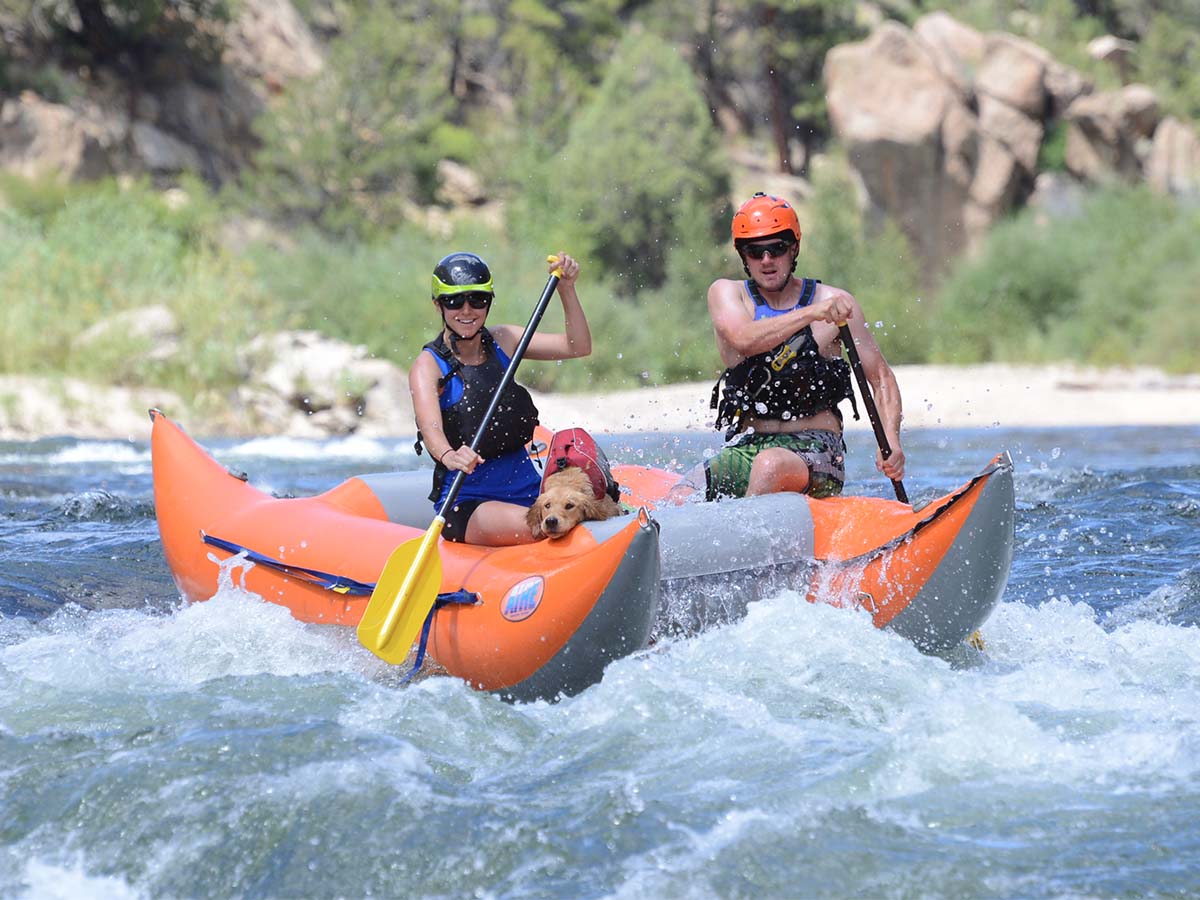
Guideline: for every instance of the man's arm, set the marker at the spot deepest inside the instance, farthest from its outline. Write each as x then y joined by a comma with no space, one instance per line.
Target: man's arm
740,335
884,388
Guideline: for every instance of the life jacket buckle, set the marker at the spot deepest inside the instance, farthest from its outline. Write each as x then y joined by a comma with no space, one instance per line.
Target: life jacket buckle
786,354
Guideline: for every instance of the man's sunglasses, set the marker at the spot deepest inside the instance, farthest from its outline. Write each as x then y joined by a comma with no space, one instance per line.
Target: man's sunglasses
774,249
477,299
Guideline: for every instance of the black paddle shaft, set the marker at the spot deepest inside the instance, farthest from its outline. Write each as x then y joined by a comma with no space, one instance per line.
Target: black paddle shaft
505,381
864,388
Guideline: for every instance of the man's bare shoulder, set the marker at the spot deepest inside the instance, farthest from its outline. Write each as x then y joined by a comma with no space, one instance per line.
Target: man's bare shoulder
726,284
725,290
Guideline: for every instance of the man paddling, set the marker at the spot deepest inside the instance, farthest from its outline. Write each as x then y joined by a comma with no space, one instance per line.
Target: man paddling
778,397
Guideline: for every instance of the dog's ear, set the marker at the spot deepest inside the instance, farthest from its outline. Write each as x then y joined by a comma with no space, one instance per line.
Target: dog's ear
594,510
533,518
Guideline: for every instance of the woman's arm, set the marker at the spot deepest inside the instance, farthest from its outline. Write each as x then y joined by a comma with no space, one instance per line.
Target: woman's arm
423,379
577,339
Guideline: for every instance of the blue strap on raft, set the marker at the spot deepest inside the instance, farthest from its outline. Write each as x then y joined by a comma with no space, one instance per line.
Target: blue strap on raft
336,583
459,596
341,585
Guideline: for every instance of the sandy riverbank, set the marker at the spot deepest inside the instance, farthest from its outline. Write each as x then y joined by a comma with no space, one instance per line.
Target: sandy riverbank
934,397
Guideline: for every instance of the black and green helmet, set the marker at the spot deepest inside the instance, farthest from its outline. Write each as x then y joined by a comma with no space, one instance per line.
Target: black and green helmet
462,273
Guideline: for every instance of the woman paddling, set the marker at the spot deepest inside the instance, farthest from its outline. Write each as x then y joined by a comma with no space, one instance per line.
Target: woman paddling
453,381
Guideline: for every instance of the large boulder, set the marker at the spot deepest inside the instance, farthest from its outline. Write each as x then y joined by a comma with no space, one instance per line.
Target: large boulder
203,126
1174,163
39,138
958,50
34,406
944,125
270,44
1108,133
925,154
1114,51
304,384
1014,72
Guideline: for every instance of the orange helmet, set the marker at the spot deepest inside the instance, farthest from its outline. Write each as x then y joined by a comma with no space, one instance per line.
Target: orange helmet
762,216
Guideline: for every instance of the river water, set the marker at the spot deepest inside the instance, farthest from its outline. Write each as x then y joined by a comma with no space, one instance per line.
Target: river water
152,749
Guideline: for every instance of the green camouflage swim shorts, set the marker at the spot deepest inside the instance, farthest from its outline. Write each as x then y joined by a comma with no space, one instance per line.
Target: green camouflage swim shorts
728,473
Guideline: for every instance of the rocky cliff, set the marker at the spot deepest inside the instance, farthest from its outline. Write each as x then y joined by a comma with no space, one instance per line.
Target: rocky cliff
945,127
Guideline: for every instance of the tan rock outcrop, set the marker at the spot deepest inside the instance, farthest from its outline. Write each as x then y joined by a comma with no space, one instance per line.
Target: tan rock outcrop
304,384
942,142
945,125
1174,163
1105,131
39,138
206,127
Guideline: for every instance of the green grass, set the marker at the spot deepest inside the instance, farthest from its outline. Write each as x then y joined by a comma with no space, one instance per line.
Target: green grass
71,259
1115,285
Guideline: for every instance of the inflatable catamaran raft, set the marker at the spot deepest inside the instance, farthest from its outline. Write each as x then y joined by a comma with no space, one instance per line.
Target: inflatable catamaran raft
543,620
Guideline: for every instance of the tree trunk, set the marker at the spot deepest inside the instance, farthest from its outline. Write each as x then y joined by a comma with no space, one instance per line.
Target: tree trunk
98,34
780,116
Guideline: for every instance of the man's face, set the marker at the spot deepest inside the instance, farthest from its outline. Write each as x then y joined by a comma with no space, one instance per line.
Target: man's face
770,261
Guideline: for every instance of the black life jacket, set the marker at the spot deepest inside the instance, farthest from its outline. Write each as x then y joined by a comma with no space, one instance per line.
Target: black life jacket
510,429
790,381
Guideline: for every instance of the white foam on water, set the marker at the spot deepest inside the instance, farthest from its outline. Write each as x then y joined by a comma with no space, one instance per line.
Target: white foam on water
796,717
853,719
90,453
1054,697
124,456
670,870
50,881
402,770
347,448
236,633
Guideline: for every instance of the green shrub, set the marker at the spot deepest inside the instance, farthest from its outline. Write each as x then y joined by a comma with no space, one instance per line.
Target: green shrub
349,148
1052,154
1109,286
878,269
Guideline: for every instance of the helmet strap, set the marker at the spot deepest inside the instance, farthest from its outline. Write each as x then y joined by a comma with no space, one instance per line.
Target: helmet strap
456,338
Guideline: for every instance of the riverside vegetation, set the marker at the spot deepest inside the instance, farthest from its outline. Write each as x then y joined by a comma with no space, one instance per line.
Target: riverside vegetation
607,148
1114,284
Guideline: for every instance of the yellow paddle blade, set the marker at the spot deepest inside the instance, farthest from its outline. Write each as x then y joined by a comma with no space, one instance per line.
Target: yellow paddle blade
404,594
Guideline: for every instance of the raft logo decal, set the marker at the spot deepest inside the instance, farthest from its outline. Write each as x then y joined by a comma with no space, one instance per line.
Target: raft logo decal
523,598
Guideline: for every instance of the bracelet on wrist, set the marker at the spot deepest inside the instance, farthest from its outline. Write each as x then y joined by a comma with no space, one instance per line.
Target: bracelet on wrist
444,452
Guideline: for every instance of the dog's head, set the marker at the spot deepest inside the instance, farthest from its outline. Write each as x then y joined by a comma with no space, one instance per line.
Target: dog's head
565,501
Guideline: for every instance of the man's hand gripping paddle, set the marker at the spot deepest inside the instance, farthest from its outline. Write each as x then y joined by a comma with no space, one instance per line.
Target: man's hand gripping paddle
409,583
864,388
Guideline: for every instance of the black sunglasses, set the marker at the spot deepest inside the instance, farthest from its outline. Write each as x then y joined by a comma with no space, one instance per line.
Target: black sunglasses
775,249
477,299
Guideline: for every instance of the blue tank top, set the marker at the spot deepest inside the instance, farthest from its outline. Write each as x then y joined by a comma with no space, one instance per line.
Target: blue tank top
763,311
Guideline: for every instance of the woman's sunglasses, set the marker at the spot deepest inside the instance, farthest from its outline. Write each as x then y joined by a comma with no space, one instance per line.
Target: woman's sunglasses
477,299
775,249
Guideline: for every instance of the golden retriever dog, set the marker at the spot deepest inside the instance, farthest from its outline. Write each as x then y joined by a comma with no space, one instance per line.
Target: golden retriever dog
566,501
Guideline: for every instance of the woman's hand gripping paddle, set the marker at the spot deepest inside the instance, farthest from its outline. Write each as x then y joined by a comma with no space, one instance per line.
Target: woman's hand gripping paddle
409,583
864,388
